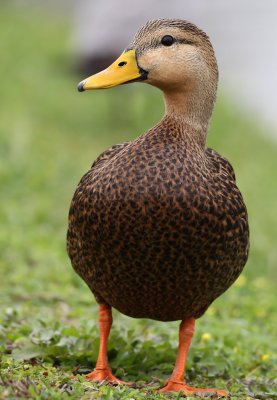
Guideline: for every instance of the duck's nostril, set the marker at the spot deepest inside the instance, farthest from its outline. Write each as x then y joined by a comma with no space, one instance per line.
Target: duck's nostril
122,63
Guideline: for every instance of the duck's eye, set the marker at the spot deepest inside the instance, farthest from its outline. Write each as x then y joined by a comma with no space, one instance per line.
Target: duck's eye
167,40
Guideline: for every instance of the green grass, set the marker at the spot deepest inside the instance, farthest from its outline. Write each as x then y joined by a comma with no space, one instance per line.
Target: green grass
49,135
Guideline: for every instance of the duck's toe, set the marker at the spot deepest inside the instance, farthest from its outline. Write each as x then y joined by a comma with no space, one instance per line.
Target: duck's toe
172,386
105,375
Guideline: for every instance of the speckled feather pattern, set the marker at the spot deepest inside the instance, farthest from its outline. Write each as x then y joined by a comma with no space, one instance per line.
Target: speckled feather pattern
154,25
157,226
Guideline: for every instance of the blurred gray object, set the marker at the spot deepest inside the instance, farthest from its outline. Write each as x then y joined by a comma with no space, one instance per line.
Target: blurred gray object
243,33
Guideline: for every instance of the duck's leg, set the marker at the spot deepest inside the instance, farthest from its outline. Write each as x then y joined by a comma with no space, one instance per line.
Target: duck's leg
176,382
102,371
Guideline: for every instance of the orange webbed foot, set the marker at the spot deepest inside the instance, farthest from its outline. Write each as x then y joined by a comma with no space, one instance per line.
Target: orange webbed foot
172,386
105,374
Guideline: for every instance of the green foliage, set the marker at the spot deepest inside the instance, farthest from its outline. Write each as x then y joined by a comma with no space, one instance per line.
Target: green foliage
49,135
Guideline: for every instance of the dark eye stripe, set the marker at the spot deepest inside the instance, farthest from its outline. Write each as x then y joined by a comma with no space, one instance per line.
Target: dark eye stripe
168,40
185,41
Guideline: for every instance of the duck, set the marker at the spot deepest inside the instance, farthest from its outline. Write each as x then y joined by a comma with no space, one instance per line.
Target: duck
158,228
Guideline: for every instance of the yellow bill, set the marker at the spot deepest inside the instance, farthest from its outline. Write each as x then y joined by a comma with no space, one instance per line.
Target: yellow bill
123,70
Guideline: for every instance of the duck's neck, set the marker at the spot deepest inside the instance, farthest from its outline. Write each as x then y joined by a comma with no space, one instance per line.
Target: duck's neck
192,108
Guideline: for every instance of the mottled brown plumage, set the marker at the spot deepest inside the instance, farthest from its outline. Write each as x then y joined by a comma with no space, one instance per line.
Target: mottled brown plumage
157,227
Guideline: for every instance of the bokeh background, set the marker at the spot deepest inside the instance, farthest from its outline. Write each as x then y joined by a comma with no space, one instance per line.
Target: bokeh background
49,136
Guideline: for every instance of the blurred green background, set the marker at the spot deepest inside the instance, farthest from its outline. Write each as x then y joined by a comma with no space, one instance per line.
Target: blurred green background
49,136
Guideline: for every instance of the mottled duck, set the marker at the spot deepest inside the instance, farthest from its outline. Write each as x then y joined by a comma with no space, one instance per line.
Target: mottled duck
157,227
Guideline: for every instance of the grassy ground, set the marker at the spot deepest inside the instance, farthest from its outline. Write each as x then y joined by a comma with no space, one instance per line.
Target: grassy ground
49,135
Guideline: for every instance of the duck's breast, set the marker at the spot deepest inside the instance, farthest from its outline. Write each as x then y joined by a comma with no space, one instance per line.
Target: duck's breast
156,234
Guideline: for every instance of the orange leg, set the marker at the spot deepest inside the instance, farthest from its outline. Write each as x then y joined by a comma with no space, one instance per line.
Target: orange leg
176,382
102,371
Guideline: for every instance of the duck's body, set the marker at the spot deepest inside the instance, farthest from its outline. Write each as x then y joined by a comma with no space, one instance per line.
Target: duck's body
158,228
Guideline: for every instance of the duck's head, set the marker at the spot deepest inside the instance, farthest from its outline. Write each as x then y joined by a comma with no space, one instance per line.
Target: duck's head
175,56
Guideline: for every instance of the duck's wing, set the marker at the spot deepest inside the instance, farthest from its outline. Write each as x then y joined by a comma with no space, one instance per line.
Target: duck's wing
108,154
220,163
77,213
